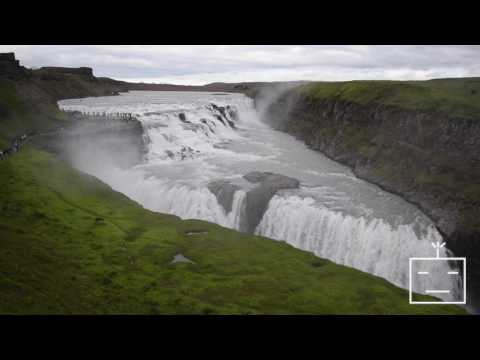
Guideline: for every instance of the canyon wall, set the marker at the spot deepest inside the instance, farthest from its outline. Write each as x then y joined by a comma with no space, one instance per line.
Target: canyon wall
429,156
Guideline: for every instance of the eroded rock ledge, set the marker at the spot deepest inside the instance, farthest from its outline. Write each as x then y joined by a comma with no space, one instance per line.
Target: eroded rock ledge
258,198
266,185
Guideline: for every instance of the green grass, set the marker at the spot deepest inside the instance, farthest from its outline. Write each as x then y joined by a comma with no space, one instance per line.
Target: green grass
454,97
71,245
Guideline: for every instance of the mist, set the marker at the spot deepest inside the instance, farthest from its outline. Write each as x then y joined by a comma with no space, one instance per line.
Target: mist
98,145
271,93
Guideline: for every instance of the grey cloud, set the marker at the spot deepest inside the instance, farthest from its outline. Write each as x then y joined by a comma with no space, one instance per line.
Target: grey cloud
203,64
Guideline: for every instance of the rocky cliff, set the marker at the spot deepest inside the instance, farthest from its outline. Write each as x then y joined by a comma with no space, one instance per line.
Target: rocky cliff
10,67
420,140
28,98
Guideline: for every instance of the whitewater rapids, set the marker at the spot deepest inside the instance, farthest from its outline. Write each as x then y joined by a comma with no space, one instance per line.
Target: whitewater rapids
196,138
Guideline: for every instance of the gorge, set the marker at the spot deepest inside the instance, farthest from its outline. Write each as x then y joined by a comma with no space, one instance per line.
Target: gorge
210,157
222,154
417,139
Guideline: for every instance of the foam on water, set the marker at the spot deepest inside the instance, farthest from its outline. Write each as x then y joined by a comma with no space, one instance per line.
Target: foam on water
373,245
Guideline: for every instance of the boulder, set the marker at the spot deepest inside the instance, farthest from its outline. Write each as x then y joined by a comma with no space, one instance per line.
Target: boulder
258,198
183,118
224,191
180,258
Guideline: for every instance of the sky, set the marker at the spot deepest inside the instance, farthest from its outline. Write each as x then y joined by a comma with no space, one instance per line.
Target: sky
202,64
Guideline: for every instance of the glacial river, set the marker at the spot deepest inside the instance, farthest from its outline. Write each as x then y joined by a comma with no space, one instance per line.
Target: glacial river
195,138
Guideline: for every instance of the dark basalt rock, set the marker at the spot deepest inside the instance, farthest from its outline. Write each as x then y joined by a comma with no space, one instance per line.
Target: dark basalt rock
10,57
204,121
224,191
192,127
183,118
232,124
219,118
186,152
222,111
233,114
10,67
223,114
258,198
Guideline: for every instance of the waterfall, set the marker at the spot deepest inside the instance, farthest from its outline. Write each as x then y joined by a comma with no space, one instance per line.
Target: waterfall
189,137
192,203
373,246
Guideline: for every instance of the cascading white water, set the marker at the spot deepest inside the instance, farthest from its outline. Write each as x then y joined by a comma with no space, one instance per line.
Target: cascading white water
334,214
372,246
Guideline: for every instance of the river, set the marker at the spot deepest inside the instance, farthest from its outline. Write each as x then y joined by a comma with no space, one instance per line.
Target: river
196,138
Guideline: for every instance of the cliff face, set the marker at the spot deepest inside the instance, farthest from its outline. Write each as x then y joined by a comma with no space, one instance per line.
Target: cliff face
429,157
28,98
10,67
65,83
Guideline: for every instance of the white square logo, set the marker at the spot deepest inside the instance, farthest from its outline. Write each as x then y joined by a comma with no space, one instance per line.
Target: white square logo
428,277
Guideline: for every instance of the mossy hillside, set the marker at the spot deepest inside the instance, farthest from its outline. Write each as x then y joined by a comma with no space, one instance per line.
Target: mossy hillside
454,97
30,102
69,85
20,112
70,244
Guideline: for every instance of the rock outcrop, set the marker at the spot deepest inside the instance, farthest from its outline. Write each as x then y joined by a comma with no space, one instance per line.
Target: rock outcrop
264,186
258,198
10,67
224,191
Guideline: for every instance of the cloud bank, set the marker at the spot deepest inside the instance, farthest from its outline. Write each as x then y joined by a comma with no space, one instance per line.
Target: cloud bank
202,64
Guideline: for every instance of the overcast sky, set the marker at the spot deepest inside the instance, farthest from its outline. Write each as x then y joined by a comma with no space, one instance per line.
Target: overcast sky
202,64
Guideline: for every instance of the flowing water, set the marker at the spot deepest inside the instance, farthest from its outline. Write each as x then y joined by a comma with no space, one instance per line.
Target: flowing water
195,138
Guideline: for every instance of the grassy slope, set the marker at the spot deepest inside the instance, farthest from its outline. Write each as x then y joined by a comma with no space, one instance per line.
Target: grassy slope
69,244
455,97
